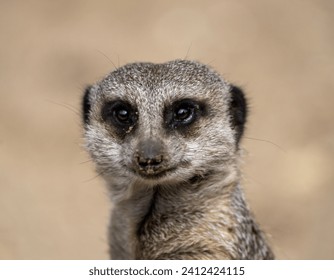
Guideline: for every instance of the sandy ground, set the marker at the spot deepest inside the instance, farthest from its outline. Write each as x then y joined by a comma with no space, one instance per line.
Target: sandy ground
52,205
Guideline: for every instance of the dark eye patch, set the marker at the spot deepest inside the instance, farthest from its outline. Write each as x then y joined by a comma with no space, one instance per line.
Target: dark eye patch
119,114
182,113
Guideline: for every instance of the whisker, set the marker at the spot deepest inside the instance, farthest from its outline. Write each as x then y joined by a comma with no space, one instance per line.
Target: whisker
186,57
107,58
96,176
64,105
266,141
86,161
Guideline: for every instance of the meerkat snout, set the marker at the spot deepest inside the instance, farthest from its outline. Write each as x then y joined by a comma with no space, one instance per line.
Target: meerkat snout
149,156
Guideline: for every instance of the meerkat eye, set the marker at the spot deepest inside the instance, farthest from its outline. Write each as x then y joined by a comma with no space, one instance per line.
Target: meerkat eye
184,113
119,113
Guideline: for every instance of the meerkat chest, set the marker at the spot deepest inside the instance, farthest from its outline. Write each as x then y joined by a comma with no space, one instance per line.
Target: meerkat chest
181,234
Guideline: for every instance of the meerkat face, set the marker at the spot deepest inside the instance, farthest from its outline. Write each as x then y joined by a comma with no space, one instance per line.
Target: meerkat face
163,123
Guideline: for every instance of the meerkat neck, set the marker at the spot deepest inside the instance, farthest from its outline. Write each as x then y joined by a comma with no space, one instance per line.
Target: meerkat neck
135,220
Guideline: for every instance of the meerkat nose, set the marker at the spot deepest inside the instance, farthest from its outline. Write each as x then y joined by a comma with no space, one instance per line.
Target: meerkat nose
149,154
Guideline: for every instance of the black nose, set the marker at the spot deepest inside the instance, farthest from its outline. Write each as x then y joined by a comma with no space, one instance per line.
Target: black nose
149,155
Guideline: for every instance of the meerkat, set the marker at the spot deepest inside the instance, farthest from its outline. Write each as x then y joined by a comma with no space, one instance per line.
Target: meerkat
165,137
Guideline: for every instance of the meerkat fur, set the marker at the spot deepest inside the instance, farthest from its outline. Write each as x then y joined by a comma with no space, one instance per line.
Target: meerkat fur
165,137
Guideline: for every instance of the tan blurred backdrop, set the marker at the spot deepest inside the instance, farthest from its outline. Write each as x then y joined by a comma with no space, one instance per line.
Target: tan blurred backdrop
52,205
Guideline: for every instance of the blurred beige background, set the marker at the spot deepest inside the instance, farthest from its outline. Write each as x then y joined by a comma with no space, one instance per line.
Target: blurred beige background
52,205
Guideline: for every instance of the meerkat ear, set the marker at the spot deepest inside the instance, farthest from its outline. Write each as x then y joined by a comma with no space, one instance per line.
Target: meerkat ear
86,105
238,110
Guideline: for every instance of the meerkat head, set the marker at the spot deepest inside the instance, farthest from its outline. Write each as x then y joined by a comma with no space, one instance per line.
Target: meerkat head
163,123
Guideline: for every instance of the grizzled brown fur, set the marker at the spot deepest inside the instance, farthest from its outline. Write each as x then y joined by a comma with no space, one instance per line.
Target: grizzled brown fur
166,139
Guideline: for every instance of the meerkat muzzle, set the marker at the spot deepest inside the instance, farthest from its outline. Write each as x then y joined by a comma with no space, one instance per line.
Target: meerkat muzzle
149,156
